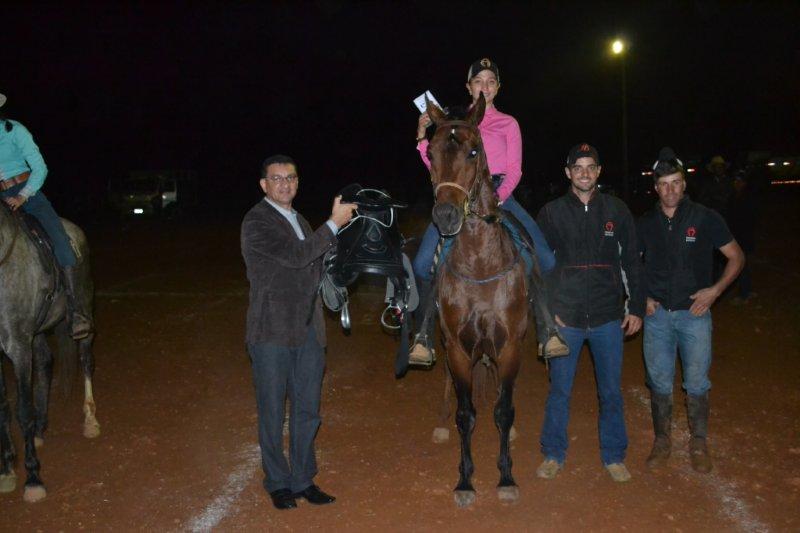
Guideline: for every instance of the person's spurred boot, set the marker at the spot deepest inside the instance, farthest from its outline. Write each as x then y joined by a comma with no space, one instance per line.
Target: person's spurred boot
697,411
422,352
661,409
81,325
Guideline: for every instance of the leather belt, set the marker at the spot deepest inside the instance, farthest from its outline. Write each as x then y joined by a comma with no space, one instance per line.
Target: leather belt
16,180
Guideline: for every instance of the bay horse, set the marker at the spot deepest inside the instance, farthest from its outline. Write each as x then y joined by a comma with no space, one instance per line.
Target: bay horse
481,286
33,303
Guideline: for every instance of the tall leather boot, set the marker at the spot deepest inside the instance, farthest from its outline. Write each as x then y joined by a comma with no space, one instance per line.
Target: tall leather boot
661,409
422,352
697,411
78,308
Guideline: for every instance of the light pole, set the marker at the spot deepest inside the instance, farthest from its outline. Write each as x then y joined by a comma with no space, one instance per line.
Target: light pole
618,48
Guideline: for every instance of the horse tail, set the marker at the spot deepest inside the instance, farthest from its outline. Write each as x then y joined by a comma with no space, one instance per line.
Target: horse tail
66,360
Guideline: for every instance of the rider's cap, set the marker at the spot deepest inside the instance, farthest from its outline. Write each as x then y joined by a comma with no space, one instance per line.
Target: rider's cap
2,100
483,64
582,150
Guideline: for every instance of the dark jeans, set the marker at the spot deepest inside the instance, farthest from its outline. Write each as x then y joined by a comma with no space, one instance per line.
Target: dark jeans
605,343
39,206
278,372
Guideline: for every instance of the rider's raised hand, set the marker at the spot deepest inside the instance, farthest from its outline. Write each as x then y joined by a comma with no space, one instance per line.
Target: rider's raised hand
422,124
341,213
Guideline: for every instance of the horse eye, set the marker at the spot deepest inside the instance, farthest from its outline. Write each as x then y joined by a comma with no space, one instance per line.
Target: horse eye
473,153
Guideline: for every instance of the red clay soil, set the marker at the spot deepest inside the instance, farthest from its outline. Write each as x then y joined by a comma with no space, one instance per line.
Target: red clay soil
178,447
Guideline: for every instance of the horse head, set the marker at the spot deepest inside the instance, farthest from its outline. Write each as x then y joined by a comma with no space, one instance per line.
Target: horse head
459,172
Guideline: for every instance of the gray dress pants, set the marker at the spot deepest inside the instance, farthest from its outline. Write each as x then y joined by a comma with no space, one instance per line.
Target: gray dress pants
280,372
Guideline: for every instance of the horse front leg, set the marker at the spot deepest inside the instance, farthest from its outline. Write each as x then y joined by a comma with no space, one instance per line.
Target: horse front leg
465,421
504,419
8,479
43,372
441,433
91,427
34,488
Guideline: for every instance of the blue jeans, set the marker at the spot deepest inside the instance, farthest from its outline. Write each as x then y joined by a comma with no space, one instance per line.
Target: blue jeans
668,332
427,248
605,343
39,206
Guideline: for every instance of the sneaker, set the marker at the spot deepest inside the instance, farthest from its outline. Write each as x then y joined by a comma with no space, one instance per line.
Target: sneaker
618,472
548,469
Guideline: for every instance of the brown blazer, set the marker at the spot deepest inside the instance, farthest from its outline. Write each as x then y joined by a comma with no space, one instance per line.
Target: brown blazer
284,273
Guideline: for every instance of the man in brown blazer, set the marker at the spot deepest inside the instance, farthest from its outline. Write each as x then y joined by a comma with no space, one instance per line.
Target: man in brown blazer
284,264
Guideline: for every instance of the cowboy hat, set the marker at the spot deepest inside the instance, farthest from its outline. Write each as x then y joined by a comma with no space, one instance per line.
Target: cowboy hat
717,160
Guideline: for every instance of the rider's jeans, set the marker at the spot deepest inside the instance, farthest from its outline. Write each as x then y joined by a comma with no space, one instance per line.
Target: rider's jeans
669,332
544,255
39,206
605,343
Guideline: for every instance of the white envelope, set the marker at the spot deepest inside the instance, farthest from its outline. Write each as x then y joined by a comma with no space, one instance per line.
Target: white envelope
419,101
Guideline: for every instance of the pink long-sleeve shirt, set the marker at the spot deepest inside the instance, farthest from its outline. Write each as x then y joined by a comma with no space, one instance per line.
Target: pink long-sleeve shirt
502,141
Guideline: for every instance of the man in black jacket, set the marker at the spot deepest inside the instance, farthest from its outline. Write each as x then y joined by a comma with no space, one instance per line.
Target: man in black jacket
284,264
678,238
594,239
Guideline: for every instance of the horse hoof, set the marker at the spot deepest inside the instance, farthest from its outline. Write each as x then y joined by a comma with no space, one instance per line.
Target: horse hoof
508,494
512,434
464,498
8,482
38,442
441,435
91,430
34,493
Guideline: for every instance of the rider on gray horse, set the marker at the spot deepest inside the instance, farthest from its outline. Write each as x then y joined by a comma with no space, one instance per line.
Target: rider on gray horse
22,174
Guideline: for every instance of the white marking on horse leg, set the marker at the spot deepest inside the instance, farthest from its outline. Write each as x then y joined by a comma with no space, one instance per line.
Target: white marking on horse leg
91,427
34,494
249,459
8,482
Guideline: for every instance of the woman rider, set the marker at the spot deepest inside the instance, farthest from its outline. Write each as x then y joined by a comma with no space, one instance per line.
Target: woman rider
502,143
22,174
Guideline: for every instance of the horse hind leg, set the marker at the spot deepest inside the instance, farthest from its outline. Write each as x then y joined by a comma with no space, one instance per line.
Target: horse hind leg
91,427
43,374
8,479
465,420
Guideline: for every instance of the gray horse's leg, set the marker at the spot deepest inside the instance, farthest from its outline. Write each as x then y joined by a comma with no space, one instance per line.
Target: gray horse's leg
91,428
34,488
43,372
8,479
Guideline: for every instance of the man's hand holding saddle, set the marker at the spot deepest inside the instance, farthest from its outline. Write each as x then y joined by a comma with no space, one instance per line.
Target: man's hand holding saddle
341,213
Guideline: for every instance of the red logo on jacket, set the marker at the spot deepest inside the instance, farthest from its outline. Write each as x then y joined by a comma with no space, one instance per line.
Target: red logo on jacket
609,229
691,234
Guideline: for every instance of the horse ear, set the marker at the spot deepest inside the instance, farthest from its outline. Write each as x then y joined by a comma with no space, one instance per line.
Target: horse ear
475,115
436,114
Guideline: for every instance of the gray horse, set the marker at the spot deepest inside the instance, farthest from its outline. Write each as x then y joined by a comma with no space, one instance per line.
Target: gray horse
33,303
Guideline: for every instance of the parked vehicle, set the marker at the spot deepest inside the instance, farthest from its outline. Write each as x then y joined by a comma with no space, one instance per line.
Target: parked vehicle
161,193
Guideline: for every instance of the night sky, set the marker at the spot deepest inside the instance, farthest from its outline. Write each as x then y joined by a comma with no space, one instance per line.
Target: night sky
110,88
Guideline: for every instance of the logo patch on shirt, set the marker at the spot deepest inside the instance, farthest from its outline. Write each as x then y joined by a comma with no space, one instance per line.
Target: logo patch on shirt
609,229
691,234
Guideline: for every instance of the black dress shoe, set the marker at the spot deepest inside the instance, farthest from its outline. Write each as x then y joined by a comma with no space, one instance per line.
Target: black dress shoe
313,495
283,499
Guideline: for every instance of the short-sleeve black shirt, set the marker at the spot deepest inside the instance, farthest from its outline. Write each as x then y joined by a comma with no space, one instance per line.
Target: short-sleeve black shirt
678,253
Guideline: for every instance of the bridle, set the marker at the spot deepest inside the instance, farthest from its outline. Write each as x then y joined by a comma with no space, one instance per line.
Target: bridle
468,206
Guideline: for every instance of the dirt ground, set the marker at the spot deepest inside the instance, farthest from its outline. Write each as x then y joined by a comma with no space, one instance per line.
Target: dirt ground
178,448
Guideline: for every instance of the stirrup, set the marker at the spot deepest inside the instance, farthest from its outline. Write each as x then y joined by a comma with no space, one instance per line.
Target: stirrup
421,354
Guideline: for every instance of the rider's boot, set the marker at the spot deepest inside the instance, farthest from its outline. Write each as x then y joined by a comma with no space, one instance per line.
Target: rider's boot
78,307
661,410
551,343
697,411
422,352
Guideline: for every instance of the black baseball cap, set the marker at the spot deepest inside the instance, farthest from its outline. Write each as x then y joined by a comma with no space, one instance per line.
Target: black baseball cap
483,64
582,150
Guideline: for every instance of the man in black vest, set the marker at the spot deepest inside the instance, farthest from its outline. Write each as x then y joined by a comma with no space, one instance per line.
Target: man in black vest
677,239
597,258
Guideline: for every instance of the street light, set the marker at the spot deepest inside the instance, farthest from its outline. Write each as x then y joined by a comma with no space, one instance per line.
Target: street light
618,48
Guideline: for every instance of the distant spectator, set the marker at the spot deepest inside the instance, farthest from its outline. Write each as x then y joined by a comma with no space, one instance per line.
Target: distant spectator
715,191
742,220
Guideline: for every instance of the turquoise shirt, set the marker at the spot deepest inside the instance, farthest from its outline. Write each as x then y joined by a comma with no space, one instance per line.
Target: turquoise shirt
18,154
